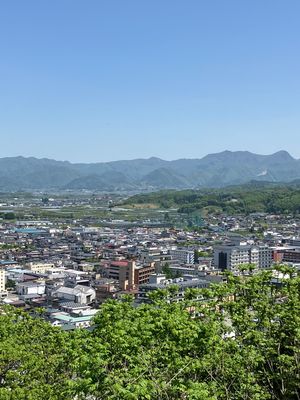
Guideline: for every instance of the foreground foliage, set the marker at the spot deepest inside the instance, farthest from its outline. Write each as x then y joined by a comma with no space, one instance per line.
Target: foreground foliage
240,340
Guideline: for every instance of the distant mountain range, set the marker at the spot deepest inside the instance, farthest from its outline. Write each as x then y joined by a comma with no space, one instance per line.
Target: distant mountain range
214,170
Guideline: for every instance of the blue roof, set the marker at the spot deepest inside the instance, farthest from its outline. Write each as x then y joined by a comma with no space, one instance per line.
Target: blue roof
29,230
7,262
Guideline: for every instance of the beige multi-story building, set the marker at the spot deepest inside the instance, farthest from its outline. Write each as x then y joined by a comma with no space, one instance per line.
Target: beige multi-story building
39,267
128,273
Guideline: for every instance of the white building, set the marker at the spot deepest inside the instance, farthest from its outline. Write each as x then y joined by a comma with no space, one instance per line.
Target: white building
230,256
2,280
265,257
31,288
183,256
79,294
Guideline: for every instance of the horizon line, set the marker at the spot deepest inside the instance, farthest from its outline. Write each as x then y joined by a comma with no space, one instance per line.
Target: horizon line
149,158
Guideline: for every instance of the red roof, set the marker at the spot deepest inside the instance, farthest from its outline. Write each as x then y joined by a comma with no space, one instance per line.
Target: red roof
119,263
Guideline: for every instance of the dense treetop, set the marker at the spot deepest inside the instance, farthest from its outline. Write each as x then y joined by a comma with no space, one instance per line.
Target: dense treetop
239,340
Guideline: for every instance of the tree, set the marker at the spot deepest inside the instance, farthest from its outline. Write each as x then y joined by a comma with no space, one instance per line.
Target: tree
167,271
238,340
9,215
34,358
10,284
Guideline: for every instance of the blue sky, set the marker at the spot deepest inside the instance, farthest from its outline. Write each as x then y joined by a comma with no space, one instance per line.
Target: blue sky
101,80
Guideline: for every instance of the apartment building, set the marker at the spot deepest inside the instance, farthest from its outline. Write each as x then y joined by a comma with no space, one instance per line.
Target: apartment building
265,257
150,255
142,273
182,255
128,273
291,255
40,267
230,256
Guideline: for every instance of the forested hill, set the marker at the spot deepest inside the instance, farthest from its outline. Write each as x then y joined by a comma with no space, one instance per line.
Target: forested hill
245,199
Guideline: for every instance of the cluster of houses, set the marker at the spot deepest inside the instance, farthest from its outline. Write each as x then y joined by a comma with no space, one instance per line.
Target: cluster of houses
64,273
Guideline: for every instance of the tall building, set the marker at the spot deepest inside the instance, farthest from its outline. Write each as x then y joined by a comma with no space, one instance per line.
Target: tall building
128,273
265,257
230,256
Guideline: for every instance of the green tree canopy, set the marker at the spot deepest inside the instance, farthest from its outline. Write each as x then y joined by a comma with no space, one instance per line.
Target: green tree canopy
239,340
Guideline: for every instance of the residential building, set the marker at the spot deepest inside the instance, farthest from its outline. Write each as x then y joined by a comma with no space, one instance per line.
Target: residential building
182,256
265,255
230,256
78,294
34,288
181,283
40,267
291,255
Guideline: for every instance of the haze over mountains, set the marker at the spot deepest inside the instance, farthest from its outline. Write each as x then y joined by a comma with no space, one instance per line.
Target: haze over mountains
214,170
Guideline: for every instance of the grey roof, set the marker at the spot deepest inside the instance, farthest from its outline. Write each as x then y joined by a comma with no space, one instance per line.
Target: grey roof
74,291
31,284
71,304
182,284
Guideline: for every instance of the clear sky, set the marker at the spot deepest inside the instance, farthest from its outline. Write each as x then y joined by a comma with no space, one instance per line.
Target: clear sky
99,80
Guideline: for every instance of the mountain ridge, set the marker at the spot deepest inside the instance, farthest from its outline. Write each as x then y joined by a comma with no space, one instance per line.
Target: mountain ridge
213,170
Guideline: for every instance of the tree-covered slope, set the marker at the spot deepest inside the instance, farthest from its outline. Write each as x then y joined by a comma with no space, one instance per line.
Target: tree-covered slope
250,198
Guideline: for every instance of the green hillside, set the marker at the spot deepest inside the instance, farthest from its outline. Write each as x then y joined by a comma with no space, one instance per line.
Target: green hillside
252,198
